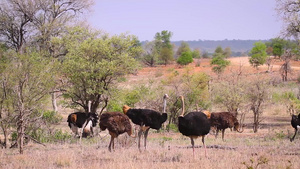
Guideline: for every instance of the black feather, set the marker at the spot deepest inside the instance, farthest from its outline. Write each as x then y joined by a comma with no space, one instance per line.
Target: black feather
194,124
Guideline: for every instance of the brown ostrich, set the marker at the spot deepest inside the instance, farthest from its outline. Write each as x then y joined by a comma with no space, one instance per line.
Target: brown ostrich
224,120
116,123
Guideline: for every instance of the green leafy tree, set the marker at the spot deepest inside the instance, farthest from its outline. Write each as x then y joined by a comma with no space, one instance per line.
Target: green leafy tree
163,46
94,64
258,54
227,52
184,47
27,79
219,64
277,49
196,53
166,55
185,58
218,51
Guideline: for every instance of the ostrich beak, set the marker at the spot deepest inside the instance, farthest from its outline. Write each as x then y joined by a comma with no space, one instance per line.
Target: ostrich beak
240,129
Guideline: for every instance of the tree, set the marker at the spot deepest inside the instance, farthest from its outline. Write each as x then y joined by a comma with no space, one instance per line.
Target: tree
205,55
230,93
25,22
227,52
277,49
184,47
288,10
197,56
150,55
196,53
219,63
166,55
27,81
185,58
218,50
258,54
93,65
285,68
163,46
257,95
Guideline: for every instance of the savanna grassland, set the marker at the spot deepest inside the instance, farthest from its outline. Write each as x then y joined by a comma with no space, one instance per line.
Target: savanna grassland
270,147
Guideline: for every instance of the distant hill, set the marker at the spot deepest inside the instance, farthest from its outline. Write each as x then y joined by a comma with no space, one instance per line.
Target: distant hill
238,47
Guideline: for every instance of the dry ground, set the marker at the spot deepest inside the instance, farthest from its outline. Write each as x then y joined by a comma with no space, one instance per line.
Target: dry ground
269,148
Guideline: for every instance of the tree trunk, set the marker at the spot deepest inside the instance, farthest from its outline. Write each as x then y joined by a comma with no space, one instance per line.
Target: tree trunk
5,133
54,104
20,130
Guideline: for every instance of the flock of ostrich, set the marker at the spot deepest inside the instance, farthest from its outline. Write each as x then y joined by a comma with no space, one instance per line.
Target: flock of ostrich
193,125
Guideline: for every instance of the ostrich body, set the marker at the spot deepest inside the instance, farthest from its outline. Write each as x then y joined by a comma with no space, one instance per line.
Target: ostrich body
224,120
146,119
295,122
193,125
116,123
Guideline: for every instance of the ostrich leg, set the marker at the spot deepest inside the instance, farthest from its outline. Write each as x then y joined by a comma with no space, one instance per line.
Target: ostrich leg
145,137
111,142
139,139
223,132
192,141
217,132
204,145
292,139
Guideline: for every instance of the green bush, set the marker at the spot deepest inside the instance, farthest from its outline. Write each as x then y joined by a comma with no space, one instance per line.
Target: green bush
185,58
52,117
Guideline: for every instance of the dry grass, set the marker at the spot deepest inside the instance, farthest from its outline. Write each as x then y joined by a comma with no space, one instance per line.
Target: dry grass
269,148
165,150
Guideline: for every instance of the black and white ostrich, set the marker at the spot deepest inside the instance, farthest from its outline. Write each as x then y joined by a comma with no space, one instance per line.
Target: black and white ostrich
82,123
193,125
146,119
116,123
295,122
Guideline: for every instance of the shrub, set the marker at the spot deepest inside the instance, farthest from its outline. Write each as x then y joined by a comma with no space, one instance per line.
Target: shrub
185,58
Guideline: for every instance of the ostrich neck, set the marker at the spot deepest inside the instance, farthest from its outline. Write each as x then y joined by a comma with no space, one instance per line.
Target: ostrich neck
182,102
165,105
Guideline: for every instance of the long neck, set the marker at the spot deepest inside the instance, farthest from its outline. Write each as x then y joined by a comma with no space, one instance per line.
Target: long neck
165,105
182,102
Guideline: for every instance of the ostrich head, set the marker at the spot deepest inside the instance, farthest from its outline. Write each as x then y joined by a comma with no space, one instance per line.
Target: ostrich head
125,109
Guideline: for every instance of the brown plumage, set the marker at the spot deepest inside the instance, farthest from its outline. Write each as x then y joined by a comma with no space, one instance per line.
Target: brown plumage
224,120
116,123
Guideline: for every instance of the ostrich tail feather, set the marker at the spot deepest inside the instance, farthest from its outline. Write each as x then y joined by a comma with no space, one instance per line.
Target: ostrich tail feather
125,109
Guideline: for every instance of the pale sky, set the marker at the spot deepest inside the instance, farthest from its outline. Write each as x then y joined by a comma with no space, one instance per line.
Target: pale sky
188,19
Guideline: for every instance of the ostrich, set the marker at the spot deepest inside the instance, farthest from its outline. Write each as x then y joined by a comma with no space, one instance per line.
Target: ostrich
116,123
295,122
224,120
83,121
193,125
146,119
